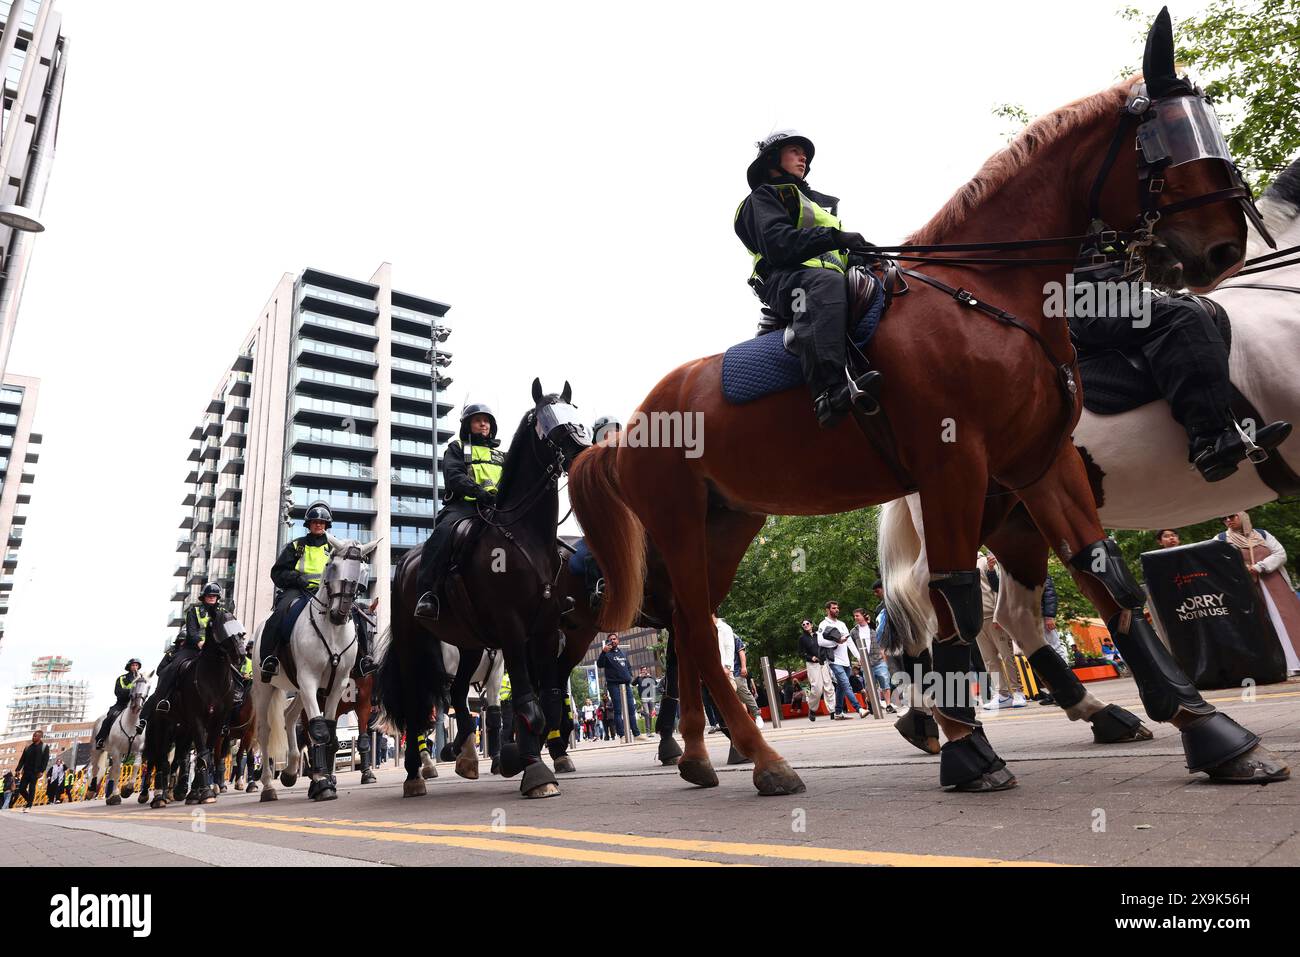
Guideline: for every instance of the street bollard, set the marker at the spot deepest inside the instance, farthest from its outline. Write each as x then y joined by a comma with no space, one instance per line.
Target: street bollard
869,679
773,691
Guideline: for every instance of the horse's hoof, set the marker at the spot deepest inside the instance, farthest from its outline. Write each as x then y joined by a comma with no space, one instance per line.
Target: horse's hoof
158,802
698,771
143,798
1257,766
447,753
538,782
564,765
269,795
288,780
1113,724
496,766
778,778
428,772
239,785
735,757
999,780
414,788
252,787
367,776
210,799
512,762
127,792
670,751
114,800
191,799
326,793
919,730
467,766
222,789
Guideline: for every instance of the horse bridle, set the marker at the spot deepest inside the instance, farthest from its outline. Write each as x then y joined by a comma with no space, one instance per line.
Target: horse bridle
550,479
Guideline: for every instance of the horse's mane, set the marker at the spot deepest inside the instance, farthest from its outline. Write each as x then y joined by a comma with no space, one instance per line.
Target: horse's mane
1287,186
518,444
999,168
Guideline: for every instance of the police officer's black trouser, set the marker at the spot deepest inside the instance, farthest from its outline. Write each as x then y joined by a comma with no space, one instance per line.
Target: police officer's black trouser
273,630
816,304
1186,353
113,712
437,547
167,677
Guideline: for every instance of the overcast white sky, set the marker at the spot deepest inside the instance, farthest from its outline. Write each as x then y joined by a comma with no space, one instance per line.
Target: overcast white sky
563,174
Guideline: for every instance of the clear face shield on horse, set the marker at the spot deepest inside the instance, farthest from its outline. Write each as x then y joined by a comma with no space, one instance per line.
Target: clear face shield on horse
339,583
1183,129
559,425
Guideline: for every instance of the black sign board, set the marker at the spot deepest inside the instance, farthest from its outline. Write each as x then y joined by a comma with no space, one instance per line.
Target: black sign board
1214,615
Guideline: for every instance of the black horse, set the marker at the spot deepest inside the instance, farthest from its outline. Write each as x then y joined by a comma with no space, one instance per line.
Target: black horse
200,700
499,594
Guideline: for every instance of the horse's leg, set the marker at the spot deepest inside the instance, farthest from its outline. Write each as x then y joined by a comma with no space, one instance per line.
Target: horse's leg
327,789
265,697
539,780
461,748
693,765
556,705
524,753
492,719
1022,556
952,525
414,785
669,750
364,688
1062,506
293,766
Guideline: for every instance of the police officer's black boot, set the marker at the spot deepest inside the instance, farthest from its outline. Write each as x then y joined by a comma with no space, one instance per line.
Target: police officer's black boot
365,664
427,607
834,402
1217,456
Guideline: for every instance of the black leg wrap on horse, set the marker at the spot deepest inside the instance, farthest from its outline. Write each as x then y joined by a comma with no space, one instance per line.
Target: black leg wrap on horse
961,590
967,760
1214,739
667,718
953,696
318,742
363,751
1103,561
1164,688
553,709
529,712
1064,684
1112,723
493,722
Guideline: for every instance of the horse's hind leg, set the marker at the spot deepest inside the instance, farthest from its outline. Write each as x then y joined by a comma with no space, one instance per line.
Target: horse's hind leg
1022,555
669,750
693,765
1062,506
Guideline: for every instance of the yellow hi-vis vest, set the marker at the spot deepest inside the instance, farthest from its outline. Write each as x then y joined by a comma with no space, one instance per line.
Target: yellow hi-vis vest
808,215
505,686
312,560
203,621
246,668
485,466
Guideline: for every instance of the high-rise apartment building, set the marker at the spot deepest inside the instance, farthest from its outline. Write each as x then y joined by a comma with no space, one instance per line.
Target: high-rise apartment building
20,449
33,53
333,396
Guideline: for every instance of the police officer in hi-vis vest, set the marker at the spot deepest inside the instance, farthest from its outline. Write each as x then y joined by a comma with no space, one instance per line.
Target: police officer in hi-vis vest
801,257
122,692
185,647
471,471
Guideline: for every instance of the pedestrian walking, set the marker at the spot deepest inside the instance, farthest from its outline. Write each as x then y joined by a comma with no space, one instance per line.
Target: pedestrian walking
31,765
819,671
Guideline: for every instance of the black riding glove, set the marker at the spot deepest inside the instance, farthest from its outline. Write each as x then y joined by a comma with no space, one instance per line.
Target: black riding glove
488,496
853,242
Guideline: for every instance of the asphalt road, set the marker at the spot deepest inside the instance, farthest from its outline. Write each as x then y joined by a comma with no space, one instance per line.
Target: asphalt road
872,799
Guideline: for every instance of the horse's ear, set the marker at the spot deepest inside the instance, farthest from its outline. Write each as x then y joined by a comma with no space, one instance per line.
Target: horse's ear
367,550
567,394
537,391
1158,59
337,544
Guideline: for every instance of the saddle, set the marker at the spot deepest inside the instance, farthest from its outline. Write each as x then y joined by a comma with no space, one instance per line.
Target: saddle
1118,379
464,536
765,364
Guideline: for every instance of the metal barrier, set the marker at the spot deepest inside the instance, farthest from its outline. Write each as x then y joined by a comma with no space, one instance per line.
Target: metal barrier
773,691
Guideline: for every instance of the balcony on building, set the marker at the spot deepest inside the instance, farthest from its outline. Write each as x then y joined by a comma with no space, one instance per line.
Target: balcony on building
338,330
237,410
206,498
334,385
313,471
342,504
351,445
211,449
319,291
239,385
193,477
212,427
204,522
194,454
197,434
225,546
412,478
187,522
332,357
244,363
184,544
11,558
207,473
188,500
235,438
181,592
414,372
234,465
228,517
175,618
331,413
231,493
197,575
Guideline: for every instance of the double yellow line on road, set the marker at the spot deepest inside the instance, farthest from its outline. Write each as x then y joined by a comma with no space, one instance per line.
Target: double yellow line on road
504,840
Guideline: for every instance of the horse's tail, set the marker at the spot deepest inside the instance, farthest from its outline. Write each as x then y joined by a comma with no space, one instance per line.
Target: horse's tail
278,741
905,573
614,534
407,679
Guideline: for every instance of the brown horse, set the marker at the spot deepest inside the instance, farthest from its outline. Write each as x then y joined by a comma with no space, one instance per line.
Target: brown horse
244,730
939,356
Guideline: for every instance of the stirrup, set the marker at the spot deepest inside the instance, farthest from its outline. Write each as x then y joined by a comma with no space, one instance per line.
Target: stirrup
162,707
427,607
864,390
270,668
366,666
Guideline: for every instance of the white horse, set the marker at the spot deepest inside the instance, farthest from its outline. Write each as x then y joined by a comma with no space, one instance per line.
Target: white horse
1144,478
321,650
485,676
121,744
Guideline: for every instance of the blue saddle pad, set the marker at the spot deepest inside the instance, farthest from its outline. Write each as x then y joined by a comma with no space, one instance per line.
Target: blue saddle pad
581,555
760,366
291,618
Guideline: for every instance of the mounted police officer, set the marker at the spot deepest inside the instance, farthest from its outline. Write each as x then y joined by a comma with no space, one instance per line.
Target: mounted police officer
471,472
801,256
122,691
186,646
297,574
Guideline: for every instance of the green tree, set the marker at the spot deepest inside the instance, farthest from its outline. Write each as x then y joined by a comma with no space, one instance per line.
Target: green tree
1244,54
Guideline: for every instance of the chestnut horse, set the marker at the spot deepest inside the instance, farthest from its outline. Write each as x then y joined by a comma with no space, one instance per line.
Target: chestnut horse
954,433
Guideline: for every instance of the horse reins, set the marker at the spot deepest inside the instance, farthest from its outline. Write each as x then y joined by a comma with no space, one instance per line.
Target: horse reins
335,658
